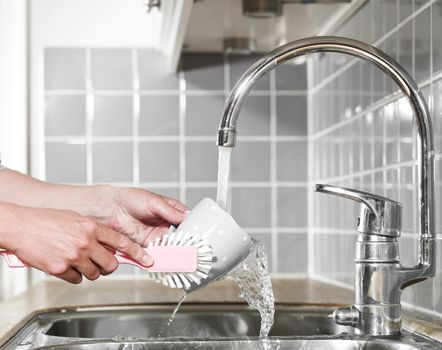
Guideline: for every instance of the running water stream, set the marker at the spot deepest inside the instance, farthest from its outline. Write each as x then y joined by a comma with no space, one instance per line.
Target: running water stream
223,175
252,274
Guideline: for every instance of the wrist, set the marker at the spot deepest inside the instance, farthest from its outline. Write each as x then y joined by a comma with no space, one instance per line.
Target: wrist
11,232
97,201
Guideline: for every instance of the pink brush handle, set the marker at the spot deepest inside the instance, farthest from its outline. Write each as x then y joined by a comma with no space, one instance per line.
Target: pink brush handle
166,259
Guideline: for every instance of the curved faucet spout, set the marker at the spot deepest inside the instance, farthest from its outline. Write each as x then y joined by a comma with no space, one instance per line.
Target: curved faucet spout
227,129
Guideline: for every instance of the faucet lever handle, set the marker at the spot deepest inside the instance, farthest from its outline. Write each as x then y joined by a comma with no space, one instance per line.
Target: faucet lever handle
378,215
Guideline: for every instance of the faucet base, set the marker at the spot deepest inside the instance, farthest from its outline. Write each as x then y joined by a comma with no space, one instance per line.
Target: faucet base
375,319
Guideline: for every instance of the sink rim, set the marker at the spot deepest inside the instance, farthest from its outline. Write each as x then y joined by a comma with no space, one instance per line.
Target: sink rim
61,313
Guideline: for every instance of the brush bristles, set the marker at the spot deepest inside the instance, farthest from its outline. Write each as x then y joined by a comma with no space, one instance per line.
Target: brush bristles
184,280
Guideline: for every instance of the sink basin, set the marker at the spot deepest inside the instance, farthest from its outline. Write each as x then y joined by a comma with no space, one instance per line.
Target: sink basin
199,326
195,321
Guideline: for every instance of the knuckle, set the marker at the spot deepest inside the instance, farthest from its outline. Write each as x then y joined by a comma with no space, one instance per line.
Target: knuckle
110,267
73,256
123,242
58,269
89,226
84,243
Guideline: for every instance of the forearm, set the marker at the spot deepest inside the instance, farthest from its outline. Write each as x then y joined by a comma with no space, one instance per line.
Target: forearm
27,191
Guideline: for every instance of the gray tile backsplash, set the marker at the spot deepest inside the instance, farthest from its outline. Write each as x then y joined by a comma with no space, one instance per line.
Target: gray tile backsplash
292,115
151,68
112,162
130,123
291,76
111,69
292,207
203,72
65,115
238,66
203,114
73,158
250,161
379,135
112,116
250,207
291,160
254,116
293,253
201,161
64,69
159,115
194,195
159,169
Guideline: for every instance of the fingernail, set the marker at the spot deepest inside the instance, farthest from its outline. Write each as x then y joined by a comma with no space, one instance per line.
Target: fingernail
187,212
147,260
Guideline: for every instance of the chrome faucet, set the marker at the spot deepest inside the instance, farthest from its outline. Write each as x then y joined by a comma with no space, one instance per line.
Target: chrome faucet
380,278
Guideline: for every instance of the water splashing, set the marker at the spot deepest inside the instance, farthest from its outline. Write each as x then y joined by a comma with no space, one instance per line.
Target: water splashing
255,286
223,175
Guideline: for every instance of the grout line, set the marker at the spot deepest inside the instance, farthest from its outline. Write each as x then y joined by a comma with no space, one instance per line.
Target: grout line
277,230
182,130
135,119
410,163
177,138
64,92
89,118
190,184
273,173
341,231
310,218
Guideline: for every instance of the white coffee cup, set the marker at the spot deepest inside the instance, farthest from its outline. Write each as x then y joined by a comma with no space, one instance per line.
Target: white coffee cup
229,242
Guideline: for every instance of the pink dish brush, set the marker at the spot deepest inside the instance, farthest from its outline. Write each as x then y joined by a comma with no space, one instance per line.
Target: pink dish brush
178,260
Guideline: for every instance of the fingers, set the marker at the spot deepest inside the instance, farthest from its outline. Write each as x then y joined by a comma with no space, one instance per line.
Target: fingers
88,269
104,259
176,204
71,276
124,245
168,212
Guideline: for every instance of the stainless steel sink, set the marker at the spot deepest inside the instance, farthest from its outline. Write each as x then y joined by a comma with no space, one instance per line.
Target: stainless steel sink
201,326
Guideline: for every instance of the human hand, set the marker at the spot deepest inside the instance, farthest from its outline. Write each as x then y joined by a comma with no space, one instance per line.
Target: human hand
142,215
139,214
65,244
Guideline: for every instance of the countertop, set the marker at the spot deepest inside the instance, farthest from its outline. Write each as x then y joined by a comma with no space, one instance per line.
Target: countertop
50,295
